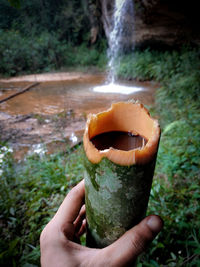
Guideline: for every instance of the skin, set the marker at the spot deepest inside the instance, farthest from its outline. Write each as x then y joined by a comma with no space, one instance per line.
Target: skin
59,241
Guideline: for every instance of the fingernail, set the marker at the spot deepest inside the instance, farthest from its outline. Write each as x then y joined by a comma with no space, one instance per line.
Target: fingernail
154,223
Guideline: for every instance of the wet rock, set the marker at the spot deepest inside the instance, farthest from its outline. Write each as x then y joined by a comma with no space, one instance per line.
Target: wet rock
158,23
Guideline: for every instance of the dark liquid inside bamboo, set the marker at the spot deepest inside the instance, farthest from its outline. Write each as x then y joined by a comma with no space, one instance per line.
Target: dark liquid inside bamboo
118,140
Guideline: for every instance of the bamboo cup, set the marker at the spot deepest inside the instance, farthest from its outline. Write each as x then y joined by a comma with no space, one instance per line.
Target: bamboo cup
117,182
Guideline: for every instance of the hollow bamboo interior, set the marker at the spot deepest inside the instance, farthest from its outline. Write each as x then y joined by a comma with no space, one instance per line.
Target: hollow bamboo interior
125,117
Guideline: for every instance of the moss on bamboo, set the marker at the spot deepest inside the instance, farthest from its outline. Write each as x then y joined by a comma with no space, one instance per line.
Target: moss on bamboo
116,198
118,182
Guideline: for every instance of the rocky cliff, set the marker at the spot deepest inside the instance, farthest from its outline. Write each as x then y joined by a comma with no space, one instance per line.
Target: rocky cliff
158,22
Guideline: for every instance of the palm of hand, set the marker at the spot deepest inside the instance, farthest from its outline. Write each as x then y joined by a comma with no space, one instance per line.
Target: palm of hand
59,240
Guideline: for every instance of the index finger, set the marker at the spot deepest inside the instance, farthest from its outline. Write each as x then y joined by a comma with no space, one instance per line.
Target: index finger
69,209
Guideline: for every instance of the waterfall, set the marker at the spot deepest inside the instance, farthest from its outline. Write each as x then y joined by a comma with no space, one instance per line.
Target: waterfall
121,35
120,40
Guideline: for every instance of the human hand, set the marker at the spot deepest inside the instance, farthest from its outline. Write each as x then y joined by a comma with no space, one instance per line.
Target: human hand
59,237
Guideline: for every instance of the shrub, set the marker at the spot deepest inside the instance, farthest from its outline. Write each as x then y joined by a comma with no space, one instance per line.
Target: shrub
45,52
30,195
21,54
176,188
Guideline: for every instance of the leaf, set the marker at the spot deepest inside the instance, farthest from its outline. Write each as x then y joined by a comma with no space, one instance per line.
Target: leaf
15,3
13,245
12,211
154,263
173,256
197,251
160,245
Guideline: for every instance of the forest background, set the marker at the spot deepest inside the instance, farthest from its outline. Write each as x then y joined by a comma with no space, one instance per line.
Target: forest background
43,36
47,35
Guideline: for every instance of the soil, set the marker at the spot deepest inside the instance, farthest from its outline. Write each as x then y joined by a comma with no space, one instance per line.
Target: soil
52,133
51,116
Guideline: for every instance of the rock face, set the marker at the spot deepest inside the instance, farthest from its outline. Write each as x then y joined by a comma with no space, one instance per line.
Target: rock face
158,22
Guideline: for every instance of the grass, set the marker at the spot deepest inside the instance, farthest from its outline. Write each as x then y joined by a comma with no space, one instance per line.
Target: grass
30,195
176,188
31,192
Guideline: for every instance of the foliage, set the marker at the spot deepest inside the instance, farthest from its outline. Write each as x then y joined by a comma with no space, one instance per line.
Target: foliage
29,196
15,3
44,53
90,57
176,188
175,195
19,54
46,35
68,18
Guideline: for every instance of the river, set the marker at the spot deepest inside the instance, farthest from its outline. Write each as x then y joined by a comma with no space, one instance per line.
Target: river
52,115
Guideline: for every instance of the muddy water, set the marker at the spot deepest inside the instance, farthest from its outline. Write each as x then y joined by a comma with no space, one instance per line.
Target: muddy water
53,97
72,95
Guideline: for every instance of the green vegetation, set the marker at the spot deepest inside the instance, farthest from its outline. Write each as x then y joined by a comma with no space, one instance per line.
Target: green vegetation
47,35
176,189
45,53
31,192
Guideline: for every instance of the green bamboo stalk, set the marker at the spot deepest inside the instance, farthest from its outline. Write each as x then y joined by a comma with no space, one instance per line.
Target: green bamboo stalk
116,199
116,196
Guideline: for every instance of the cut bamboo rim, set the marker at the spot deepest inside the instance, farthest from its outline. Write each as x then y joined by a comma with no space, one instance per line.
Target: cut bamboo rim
126,117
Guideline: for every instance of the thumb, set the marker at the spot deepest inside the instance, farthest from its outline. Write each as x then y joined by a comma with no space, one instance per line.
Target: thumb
126,249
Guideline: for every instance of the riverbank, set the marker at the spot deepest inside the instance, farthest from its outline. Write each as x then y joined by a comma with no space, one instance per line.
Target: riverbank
53,77
53,113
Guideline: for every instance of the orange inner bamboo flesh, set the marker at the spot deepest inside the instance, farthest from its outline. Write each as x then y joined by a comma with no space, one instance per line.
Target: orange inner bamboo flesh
125,117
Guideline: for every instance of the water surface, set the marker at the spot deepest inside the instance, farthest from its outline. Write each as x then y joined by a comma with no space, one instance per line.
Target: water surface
88,94
51,116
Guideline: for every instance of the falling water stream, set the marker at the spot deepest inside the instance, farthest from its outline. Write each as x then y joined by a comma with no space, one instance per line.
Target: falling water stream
122,29
121,33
